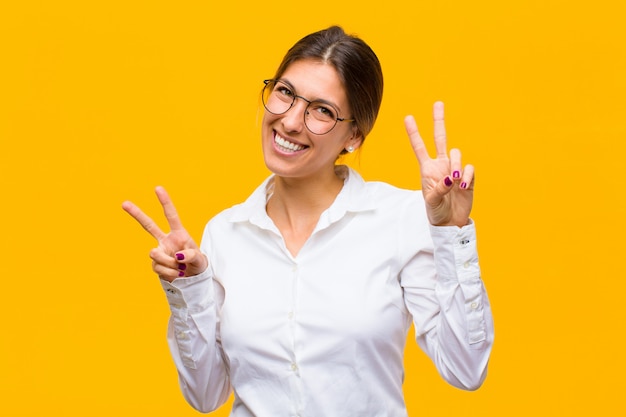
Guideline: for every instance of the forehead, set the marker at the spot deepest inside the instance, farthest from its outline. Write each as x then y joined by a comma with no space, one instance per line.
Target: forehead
316,80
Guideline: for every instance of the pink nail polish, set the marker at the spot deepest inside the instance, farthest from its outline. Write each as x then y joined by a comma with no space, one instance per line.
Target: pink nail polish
456,174
180,256
447,181
181,274
463,185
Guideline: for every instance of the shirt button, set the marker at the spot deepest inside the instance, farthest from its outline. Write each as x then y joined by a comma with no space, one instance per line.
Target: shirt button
466,264
474,306
294,367
290,315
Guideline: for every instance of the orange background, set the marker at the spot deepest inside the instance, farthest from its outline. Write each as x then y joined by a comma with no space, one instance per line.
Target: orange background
101,101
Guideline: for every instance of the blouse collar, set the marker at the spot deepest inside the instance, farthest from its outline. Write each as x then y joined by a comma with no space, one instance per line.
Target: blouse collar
354,197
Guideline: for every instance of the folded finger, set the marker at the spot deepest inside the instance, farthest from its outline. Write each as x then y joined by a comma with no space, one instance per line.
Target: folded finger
160,257
455,164
468,179
167,274
167,267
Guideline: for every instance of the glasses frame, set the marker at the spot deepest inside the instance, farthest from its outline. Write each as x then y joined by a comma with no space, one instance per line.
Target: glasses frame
306,110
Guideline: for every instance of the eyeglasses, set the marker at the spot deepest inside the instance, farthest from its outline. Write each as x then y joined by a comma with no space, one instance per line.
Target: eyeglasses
320,117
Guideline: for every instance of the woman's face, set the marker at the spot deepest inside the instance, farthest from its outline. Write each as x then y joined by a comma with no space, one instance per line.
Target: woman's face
289,148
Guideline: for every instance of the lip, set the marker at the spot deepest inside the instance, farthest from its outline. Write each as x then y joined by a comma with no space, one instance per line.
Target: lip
281,150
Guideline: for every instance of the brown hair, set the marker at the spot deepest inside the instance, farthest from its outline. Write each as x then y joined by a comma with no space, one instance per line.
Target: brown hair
355,62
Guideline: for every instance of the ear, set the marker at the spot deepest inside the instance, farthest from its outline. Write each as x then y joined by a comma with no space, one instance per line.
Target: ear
354,140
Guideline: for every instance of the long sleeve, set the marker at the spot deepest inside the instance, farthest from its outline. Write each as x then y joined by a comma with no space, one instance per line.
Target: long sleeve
450,307
194,340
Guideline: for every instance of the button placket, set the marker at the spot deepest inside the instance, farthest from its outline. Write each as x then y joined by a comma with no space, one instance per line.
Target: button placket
291,314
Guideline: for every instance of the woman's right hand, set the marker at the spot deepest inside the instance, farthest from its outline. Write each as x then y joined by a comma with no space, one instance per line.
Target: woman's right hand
177,255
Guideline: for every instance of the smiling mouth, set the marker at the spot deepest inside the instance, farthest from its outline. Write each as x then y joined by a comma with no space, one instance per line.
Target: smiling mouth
286,146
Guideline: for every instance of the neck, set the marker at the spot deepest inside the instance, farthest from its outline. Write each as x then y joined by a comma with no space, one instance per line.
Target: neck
296,205
306,194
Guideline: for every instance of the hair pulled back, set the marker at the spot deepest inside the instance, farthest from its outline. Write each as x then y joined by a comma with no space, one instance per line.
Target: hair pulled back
356,64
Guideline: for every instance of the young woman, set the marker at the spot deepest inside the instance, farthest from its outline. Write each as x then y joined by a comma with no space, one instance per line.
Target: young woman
300,299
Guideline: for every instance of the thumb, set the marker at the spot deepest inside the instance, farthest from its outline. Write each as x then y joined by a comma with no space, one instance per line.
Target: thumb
437,206
435,199
191,261
442,188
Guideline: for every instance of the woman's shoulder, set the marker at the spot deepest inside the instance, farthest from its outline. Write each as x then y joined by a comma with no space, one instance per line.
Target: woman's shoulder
392,197
393,205
382,187
251,207
387,193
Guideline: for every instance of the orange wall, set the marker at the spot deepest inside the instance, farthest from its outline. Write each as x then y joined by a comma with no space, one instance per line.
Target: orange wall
101,101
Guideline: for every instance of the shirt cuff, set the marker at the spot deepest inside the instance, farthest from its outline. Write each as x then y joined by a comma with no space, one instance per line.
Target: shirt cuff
456,256
192,294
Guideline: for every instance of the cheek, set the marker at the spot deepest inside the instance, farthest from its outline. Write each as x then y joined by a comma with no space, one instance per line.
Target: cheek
267,120
266,128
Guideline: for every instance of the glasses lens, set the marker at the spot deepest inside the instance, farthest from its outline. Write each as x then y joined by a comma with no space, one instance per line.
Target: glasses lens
277,97
320,118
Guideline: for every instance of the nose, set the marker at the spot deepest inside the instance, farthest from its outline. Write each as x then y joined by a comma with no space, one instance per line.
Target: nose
293,119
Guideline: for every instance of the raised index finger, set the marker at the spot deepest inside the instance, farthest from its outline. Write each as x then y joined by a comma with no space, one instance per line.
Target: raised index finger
168,208
144,220
416,139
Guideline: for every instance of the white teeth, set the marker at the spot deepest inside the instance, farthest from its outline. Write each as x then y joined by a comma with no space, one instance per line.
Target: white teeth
286,145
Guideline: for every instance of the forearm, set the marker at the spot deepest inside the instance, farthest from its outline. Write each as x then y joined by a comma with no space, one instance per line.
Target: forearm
445,294
193,338
461,344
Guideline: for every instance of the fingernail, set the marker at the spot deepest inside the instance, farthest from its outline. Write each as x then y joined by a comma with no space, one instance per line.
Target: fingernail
456,174
181,274
463,185
447,181
180,256
182,267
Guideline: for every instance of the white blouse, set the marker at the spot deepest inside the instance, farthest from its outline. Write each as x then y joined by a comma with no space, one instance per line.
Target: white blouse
323,333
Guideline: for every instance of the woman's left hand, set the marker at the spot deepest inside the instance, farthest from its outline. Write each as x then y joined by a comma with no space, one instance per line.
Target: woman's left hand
448,187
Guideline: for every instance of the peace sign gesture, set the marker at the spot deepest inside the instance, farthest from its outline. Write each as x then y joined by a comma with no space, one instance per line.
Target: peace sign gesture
448,188
177,254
